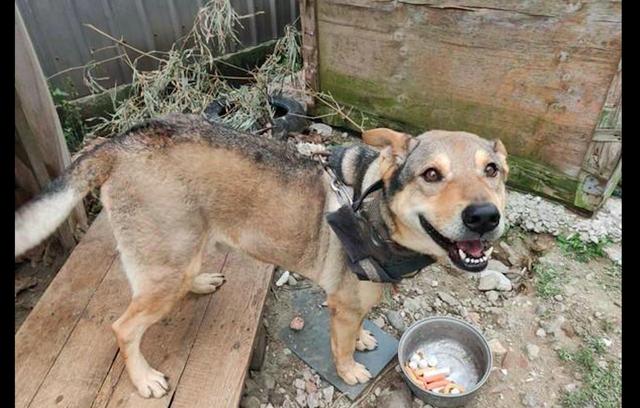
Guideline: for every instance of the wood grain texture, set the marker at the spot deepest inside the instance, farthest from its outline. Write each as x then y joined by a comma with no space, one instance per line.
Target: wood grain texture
48,327
215,373
535,74
309,43
67,355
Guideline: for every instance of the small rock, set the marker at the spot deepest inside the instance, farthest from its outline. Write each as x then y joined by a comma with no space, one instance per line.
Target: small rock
493,280
377,391
412,305
292,281
297,323
434,283
417,403
558,298
313,400
492,295
541,333
533,351
607,342
448,299
397,398
299,384
498,350
530,400
284,278
541,309
321,129
327,393
569,388
396,321
379,321
498,266
614,252
301,397
514,359
286,352
310,387
268,381
250,401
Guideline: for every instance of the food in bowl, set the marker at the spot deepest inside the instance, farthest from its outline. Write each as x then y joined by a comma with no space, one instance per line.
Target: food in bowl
424,372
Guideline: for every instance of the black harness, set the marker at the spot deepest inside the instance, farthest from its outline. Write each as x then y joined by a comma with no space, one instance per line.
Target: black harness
372,254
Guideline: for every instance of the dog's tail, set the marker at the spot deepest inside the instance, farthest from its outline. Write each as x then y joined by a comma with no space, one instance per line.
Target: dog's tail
37,219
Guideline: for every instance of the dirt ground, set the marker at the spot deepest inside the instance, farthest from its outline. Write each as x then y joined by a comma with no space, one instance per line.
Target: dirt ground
560,327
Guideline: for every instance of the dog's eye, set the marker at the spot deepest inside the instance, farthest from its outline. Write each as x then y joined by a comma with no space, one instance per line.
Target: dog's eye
432,175
491,170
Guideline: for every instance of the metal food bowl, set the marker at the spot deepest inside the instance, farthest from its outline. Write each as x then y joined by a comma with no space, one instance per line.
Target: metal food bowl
457,345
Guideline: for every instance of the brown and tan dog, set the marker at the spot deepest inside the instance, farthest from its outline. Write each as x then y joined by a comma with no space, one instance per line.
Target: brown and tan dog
171,184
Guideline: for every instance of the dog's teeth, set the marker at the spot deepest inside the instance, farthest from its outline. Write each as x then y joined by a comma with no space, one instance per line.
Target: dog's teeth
487,254
463,256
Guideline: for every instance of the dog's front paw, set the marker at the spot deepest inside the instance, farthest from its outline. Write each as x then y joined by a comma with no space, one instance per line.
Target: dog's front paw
207,282
366,341
354,373
151,383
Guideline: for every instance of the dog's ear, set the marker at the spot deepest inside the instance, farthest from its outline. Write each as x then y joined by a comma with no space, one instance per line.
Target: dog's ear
394,147
399,142
499,148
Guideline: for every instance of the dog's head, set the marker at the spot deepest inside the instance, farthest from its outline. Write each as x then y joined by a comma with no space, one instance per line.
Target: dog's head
445,192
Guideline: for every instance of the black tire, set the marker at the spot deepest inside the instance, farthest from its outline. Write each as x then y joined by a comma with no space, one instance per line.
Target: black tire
290,116
215,110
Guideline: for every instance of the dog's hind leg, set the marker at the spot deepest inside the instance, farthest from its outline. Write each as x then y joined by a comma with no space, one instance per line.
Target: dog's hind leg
348,306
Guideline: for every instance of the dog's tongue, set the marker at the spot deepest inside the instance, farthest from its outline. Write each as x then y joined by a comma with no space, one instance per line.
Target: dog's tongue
473,248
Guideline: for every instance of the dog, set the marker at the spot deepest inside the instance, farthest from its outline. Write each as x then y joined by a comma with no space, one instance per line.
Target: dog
171,184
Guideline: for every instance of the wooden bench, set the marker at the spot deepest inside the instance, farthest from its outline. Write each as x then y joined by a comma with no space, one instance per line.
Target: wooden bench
67,356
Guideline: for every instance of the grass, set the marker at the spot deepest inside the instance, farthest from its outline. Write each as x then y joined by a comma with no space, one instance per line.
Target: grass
581,250
70,119
548,281
602,386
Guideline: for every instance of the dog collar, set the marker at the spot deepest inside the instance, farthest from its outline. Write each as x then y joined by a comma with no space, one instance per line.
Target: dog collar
372,255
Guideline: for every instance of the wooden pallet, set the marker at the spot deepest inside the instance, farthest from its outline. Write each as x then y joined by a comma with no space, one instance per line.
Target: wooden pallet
66,354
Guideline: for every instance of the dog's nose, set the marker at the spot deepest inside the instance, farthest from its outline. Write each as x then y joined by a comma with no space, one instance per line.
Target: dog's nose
481,218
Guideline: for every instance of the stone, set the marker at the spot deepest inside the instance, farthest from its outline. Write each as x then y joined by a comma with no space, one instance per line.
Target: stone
533,351
268,381
286,352
498,350
492,295
397,398
434,283
379,321
292,281
250,401
569,388
448,299
558,298
498,266
530,400
321,129
494,280
313,400
514,359
412,305
301,398
395,320
417,403
297,323
541,333
614,252
299,384
284,278
327,393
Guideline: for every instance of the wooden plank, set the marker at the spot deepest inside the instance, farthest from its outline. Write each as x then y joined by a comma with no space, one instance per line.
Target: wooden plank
166,345
47,328
534,74
37,108
214,375
80,368
309,43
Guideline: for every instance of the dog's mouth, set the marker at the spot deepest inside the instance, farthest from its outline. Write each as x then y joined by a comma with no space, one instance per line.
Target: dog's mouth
471,256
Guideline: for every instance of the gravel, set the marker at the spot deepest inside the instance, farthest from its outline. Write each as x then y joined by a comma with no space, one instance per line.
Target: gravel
395,320
535,214
533,351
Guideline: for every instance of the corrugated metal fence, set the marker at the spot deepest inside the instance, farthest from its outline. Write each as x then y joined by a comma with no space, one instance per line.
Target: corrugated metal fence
61,40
